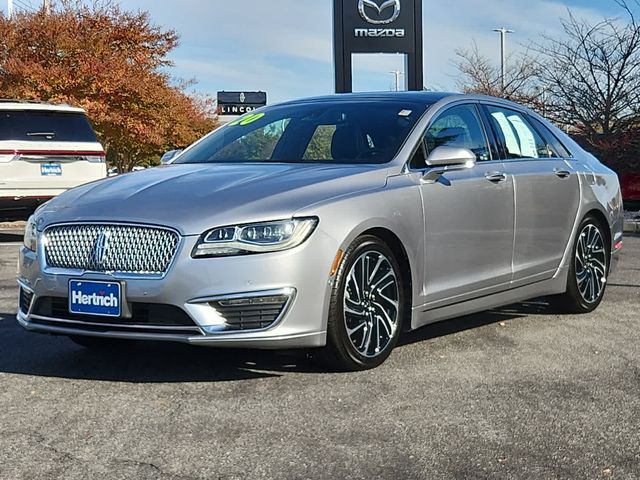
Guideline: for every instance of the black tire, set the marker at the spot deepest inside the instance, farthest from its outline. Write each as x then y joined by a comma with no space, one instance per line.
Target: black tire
340,353
573,300
99,343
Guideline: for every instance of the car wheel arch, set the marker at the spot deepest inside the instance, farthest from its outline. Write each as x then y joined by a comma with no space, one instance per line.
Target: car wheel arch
397,246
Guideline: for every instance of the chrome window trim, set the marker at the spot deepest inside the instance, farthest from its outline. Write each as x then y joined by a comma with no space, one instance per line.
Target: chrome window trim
69,272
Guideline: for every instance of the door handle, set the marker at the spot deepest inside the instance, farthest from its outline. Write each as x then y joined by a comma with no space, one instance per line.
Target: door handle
561,173
495,176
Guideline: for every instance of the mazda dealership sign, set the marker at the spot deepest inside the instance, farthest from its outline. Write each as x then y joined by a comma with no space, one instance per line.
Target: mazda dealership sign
377,26
364,6
383,14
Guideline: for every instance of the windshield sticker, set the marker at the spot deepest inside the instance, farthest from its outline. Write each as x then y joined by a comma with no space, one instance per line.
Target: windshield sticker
405,113
246,120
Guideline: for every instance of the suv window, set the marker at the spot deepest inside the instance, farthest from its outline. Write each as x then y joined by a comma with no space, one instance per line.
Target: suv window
458,126
518,137
39,126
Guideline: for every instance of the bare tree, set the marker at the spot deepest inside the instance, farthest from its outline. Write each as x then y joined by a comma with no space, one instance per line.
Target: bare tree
586,80
591,76
479,75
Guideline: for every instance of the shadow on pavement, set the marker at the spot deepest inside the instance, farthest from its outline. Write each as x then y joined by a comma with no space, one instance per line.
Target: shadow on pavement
26,353
468,322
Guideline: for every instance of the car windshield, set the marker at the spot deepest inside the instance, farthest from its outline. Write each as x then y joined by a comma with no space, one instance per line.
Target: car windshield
35,126
334,132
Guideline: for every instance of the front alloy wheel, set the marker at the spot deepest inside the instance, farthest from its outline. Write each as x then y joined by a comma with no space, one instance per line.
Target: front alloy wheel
367,307
370,303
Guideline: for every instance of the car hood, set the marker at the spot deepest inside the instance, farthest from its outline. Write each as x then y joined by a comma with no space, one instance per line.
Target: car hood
195,197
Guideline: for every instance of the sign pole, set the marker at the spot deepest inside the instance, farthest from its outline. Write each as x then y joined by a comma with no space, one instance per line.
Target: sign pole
342,58
415,71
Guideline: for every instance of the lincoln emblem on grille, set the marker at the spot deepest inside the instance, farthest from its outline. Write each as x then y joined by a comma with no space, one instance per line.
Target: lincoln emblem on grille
100,248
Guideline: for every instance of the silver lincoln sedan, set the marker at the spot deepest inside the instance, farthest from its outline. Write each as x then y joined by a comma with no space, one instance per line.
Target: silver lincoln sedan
332,224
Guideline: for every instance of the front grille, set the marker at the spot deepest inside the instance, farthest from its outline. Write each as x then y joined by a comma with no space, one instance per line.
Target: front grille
110,248
25,300
145,318
251,313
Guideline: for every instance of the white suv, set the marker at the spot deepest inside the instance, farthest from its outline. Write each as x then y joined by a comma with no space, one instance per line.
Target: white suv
45,149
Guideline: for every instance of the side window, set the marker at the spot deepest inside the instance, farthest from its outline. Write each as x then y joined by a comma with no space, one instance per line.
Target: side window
519,138
258,144
458,127
319,147
556,148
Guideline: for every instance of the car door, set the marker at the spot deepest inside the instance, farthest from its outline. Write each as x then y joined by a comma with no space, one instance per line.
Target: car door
468,214
547,194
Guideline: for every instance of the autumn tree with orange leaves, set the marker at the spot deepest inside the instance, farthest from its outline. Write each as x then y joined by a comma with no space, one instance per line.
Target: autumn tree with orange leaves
112,63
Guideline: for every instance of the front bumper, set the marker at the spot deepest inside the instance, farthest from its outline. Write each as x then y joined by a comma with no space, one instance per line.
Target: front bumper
191,285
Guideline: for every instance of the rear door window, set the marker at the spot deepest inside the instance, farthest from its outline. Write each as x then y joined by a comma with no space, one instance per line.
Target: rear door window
556,148
518,137
39,126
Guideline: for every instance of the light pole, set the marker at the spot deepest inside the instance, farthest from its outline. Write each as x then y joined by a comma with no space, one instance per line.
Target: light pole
397,74
9,9
503,51
47,6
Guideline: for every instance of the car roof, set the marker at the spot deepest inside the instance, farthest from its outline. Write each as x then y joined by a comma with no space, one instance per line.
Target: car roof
23,105
413,96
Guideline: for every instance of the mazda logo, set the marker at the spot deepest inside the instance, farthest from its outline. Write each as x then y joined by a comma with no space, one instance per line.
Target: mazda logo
100,248
363,5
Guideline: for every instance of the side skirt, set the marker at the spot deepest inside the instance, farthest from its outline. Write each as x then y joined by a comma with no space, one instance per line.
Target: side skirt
552,286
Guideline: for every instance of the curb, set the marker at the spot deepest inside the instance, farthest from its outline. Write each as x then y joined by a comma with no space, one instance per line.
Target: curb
631,226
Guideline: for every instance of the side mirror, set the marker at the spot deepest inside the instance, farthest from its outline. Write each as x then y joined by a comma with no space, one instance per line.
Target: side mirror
170,155
448,159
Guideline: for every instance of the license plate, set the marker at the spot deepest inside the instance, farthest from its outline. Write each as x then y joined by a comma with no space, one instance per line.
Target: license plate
50,169
94,298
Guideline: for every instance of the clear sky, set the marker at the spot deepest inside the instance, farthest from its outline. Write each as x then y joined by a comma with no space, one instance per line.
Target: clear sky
285,46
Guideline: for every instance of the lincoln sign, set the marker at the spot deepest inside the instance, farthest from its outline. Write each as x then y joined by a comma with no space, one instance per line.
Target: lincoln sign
239,103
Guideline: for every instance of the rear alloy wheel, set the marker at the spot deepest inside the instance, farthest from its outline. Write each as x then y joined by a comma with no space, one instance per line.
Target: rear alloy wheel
589,269
367,307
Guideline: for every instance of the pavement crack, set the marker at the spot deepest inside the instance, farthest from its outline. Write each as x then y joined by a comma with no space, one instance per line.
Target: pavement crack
41,440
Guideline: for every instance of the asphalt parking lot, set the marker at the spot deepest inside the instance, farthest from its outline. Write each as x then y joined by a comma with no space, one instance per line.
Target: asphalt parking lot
518,393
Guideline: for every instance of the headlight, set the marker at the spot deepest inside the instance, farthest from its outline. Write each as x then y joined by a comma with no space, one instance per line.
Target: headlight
254,238
30,235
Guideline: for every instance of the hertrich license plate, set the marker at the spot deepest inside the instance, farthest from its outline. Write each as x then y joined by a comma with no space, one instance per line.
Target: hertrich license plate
94,298
50,169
